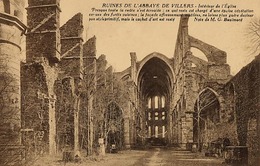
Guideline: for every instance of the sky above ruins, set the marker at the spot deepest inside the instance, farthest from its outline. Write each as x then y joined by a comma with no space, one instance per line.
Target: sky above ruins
117,39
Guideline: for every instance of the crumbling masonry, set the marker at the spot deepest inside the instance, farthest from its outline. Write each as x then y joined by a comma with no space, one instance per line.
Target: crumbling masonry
65,98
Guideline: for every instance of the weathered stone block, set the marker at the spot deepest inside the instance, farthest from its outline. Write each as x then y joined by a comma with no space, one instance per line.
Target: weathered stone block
73,27
42,2
72,47
90,48
43,38
218,72
42,45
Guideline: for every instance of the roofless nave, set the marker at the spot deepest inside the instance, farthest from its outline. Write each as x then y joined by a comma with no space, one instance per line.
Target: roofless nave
69,98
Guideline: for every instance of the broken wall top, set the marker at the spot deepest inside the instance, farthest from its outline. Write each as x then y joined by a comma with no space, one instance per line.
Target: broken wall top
72,46
43,35
43,2
73,27
89,48
213,54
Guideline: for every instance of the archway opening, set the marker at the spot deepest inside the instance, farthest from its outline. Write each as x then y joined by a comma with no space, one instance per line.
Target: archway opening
206,117
114,126
154,83
198,53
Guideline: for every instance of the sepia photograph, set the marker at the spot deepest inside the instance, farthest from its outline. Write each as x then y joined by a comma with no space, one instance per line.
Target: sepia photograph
129,83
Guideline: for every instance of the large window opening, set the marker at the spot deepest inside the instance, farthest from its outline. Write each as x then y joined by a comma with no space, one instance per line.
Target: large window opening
163,131
163,101
149,103
156,119
156,102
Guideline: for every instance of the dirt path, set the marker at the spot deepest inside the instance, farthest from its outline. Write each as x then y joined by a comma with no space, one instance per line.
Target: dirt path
151,157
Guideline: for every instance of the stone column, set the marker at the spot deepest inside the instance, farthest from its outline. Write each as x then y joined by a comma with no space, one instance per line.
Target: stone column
183,132
133,65
189,124
52,124
76,125
258,136
127,132
43,48
258,115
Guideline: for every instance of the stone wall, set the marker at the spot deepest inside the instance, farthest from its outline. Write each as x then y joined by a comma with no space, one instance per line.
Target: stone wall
71,74
90,75
72,47
37,106
246,105
39,73
43,26
196,75
64,83
65,90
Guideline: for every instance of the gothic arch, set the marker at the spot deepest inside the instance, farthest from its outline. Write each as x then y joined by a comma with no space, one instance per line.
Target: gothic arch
199,54
212,53
160,56
114,125
207,114
155,78
117,104
218,97
210,89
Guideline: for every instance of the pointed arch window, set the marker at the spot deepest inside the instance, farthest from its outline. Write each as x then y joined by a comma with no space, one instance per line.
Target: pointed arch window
149,131
163,101
163,131
156,102
149,103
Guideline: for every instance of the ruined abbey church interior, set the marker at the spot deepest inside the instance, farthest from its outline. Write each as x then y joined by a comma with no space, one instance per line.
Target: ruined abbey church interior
65,96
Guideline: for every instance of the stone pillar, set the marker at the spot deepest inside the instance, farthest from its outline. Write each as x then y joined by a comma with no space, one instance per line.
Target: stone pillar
42,50
93,69
76,125
52,124
258,136
169,129
90,123
183,132
257,58
127,132
11,30
72,64
189,126
133,65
